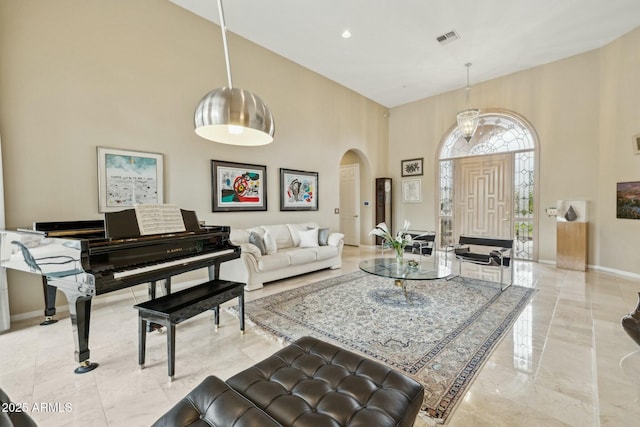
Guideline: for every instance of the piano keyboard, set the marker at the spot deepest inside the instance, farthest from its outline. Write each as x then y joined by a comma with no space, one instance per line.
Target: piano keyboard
181,261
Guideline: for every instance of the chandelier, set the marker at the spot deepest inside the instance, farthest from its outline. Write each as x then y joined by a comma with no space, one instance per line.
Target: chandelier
468,119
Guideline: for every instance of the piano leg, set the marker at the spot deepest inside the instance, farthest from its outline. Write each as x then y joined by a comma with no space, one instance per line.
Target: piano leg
49,302
214,271
80,313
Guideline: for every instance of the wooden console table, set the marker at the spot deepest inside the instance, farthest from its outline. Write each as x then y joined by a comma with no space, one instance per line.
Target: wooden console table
572,245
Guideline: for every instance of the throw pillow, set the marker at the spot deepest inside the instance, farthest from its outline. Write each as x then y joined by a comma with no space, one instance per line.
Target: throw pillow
256,239
323,236
308,238
270,243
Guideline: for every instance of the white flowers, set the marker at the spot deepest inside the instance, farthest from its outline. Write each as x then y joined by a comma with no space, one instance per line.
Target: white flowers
401,239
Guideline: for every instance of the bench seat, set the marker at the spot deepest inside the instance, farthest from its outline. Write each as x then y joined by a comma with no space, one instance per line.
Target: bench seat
174,308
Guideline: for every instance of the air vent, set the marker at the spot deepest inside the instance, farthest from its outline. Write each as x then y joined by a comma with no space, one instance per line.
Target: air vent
448,37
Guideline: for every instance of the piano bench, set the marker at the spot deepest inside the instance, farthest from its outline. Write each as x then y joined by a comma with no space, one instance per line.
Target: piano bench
169,310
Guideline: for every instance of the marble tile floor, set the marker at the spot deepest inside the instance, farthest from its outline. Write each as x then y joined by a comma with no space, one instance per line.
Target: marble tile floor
566,362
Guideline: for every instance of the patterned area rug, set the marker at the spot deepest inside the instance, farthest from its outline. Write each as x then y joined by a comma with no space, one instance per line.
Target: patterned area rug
440,336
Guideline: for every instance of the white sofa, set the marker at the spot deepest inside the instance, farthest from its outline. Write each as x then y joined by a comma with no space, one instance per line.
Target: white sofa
274,252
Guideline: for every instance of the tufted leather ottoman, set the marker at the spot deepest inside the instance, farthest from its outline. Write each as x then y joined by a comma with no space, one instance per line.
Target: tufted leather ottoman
311,383
213,403
12,414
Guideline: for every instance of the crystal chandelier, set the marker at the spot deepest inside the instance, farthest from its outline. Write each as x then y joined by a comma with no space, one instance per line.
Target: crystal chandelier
468,119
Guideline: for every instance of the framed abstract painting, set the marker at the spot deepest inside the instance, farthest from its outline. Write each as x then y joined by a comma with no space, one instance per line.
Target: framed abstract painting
238,186
128,178
298,190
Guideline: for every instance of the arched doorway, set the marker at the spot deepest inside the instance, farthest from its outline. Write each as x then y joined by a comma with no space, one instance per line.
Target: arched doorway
488,186
355,186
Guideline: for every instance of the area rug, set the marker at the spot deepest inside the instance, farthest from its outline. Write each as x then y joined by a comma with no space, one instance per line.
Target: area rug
440,334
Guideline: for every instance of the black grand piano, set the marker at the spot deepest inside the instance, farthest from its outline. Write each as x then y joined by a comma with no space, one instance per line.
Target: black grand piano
87,258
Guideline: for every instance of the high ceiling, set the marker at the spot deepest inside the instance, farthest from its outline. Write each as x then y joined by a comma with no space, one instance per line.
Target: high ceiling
393,57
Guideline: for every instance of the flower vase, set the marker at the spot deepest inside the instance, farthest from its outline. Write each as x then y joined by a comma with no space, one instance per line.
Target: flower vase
631,323
399,256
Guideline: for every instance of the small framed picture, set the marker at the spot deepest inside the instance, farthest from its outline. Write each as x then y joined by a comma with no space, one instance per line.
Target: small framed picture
128,178
412,167
298,190
238,186
636,143
412,190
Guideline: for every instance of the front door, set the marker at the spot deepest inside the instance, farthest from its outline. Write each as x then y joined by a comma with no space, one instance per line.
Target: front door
484,194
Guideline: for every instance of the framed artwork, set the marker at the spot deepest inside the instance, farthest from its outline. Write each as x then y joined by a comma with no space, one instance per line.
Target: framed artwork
628,200
298,190
412,190
636,144
412,167
128,178
238,186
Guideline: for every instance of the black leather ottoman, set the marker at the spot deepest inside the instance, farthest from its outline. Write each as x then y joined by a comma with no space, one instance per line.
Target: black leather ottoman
311,383
13,415
213,403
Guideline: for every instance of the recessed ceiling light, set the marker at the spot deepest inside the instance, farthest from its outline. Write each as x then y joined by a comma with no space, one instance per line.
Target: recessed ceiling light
346,34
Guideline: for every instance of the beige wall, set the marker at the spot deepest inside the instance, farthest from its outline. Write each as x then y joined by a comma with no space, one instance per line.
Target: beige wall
77,74
585,110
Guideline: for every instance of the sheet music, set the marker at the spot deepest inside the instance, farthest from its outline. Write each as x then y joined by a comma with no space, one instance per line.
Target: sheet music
159,219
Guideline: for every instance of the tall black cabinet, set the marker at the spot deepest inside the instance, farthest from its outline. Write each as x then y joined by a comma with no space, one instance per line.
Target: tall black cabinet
384,204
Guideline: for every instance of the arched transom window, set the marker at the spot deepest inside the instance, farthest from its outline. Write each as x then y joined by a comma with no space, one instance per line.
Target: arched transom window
497,132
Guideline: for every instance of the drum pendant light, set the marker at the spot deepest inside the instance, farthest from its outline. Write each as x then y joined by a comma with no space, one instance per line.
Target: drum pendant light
230,115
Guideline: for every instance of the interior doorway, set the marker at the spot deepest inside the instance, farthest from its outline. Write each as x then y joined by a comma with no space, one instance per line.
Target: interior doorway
356,192
350,204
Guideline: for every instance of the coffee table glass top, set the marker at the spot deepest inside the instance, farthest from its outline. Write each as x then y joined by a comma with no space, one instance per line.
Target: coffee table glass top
427,269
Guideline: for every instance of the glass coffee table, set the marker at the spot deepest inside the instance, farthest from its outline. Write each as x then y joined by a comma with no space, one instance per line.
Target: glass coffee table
428,269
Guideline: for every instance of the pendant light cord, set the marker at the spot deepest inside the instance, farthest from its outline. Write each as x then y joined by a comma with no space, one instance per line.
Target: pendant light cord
223,28
467,89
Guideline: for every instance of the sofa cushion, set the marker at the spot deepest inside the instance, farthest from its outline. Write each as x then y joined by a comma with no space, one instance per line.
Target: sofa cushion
295,229
257,240
298,256
281,234
270,244
325,252
308,238
323,236
273,262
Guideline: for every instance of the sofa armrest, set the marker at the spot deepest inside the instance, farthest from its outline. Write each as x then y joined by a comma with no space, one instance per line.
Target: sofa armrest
251,249
335,239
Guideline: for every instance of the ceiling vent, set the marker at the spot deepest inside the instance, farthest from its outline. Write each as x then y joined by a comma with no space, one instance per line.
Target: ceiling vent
448,37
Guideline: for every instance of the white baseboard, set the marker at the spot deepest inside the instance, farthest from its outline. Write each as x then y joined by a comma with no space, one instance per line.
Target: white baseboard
593,267
615,272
